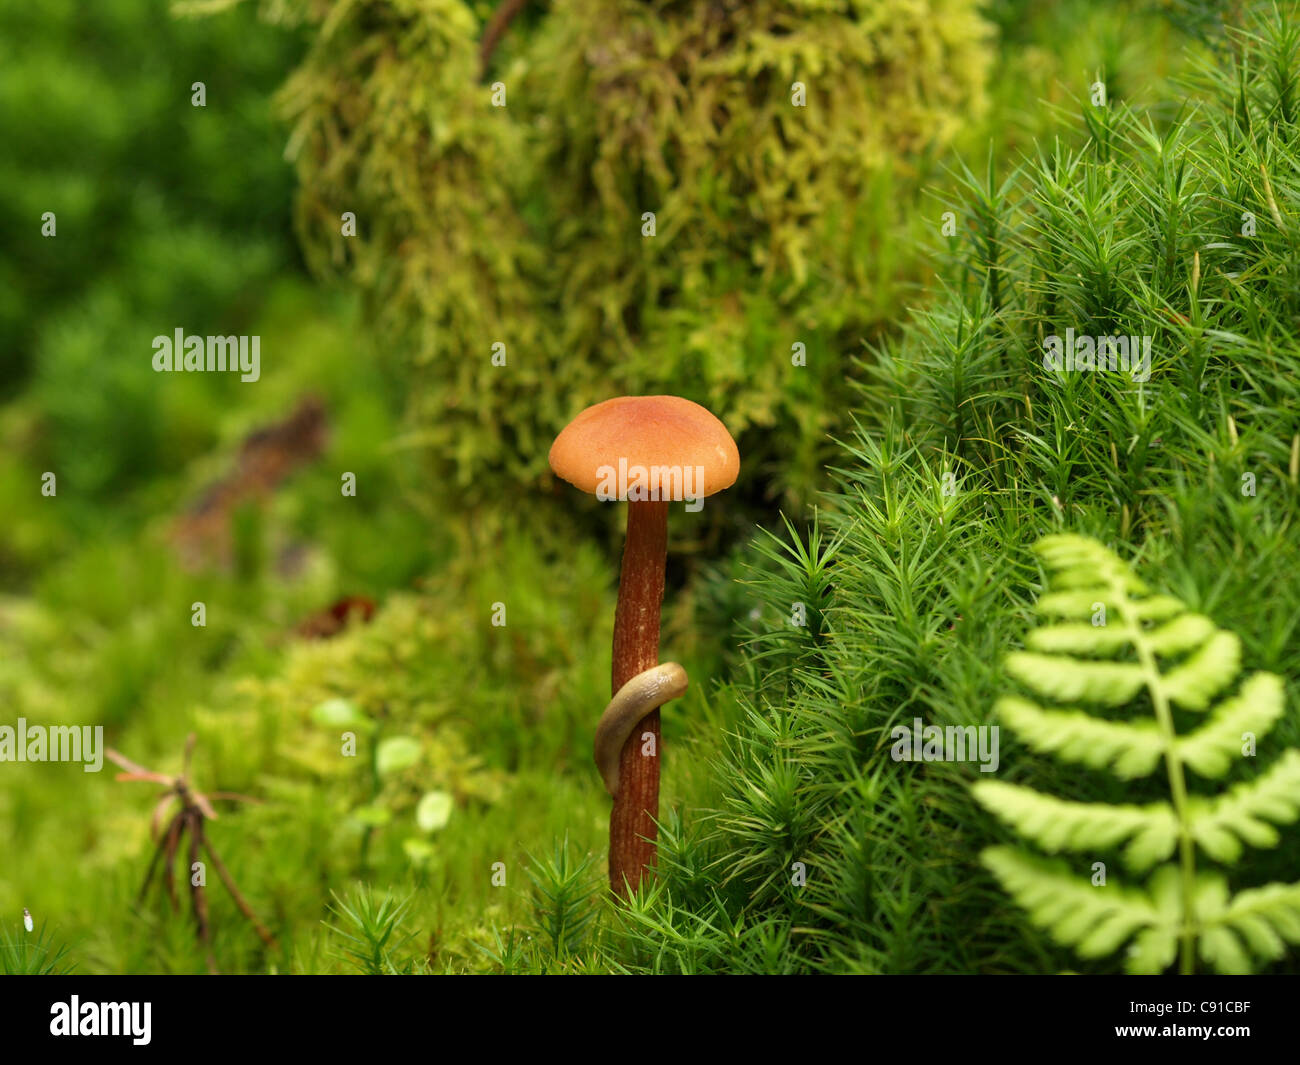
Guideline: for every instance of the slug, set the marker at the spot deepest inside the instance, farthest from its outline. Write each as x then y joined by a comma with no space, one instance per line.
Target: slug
645,692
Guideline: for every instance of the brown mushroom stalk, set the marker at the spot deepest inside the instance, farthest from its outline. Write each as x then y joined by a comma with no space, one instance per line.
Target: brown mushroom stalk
632,830
680,451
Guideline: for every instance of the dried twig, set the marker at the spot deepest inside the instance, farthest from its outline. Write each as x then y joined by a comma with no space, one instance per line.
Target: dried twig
228,880
496,29
195,809
197,898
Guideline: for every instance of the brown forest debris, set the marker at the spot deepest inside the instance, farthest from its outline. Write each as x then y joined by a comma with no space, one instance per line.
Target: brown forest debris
266,459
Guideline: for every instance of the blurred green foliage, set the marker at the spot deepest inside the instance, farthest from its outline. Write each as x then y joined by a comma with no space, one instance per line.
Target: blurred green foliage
167,215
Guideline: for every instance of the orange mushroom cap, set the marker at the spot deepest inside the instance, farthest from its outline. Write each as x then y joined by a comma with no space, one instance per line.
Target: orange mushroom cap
651,432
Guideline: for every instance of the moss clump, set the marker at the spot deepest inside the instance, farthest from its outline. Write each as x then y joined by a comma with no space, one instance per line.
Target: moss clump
523,225
390,124
762,136
752,130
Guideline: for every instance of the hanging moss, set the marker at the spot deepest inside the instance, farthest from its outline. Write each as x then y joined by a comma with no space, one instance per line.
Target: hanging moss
390,124
770,140
751,129
764,137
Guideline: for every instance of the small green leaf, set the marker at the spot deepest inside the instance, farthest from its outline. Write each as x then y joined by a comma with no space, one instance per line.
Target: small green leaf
1244,813
1073,680
1205,673
1058,824
434,810
1215,745
1075,605
1267,918
1093,920
339,713
1079,638
1130,748
1158,608
396,753
1153,951
1181,635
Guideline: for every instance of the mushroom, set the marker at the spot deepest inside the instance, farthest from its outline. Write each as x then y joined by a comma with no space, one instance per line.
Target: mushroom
648,450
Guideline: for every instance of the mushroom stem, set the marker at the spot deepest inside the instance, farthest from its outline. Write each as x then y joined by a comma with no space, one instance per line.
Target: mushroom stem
632,829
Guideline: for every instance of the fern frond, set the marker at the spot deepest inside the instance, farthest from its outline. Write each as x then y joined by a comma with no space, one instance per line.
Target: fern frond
1258,921
1151,643
1244,814
1212,748
1128,748
1094,920
1204,674
1057,824
1071,680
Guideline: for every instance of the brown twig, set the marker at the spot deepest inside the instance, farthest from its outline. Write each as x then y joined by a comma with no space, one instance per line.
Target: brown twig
169,857
496,29
197,897
153,862
195,810
226,879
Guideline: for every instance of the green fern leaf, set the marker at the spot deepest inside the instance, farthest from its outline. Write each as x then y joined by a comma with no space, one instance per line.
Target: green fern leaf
1213,747
1158,608
1185,633
1079,639
1153,644
1057,824
1153,951
1071,680
1080,605
1244,813
1155,948
1074,605
1205,673
1220,944
1095,921
1080,562
1128,748
1260,921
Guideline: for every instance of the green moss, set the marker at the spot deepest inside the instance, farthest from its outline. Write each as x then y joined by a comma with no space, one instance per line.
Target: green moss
522,225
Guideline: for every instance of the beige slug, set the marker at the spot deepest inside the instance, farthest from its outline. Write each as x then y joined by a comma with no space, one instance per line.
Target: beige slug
645,692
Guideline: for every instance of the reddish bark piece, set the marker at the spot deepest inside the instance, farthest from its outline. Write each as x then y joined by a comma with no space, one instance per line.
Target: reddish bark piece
334,618
267,457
